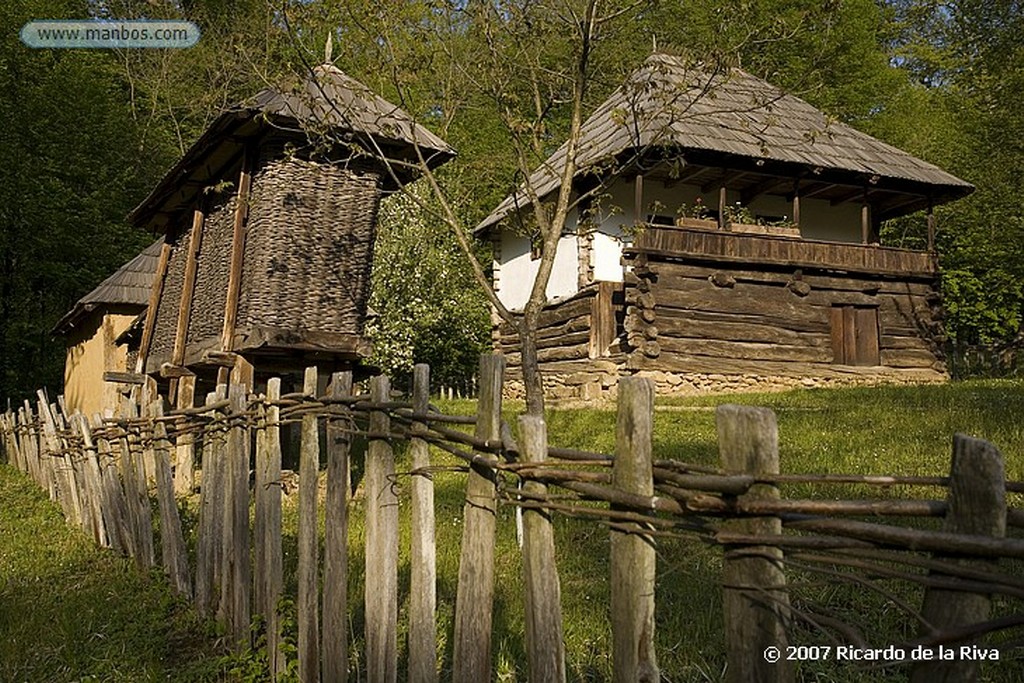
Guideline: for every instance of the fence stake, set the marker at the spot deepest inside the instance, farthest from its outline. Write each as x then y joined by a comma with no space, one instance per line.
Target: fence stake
211,494
172,542
269,571
474,601
977,506
756,608
97,500
67,488
632,552
134,478
308,613
185,448
118,528
544,644
423,581
335,598
381,545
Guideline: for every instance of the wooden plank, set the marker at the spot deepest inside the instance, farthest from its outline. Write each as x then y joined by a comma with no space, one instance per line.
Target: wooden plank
94,482
633,561
335,593
423,552
237,253
116,505
474,602
381,547
867,336
838,335
756,602
977,507
602,317
64,479
172,540
133,474
124,377
724,327
850,335
269,557
737,350
308,575
545,645
156,291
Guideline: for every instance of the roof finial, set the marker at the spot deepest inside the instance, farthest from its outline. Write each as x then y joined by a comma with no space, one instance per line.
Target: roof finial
328,47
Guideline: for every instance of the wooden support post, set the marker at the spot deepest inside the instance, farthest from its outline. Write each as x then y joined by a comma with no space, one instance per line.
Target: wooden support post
633,552
639,217
722,201
155,293
381,545
931,226
172,541
335,594
474,601
308,576
423,560
865,219
269,558
237,254
545,647
796,203
756,608
977,506
187,290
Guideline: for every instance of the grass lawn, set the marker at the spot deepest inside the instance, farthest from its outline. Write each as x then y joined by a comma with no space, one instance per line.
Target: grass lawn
70,612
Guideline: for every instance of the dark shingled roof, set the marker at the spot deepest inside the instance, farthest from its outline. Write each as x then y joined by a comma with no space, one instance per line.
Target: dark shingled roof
736,116
129,285
325,99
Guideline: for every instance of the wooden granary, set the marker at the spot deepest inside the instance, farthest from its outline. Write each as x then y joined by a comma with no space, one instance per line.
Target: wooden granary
269,222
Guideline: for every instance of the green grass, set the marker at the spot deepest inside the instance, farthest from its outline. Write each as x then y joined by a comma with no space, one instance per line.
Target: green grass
100,619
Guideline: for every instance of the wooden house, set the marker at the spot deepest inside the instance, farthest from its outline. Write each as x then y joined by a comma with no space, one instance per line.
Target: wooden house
269,221
726,236
94,331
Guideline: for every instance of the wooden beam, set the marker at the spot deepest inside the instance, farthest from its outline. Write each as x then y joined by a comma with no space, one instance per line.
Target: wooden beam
124,377
764,187
154,301
694,173
187,291
861,192
796,203
638,200
865,219
237,253
815,191
726,180
721,207
931,226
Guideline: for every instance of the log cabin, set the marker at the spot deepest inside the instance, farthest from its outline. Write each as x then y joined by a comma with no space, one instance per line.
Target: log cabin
725,236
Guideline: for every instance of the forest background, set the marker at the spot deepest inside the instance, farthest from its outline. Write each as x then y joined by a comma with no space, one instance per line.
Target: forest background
85,134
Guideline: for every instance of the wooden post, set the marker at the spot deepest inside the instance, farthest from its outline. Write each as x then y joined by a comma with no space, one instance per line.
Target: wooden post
381,545
185,445
638,199
118,528
632,552
545,647
211,497
335,597
236,556
423,580
977,506
865,219
185,304
154,300
172,541
796,203
67,487
474,601
722,201
931,226
237,254
756,610
269,558
308,576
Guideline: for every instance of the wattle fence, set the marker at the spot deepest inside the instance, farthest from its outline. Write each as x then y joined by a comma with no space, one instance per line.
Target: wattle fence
103,472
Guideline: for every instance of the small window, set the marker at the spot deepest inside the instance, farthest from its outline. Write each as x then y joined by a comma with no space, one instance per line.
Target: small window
855,335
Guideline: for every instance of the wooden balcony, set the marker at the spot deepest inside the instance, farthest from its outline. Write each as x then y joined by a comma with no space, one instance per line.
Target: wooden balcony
723,246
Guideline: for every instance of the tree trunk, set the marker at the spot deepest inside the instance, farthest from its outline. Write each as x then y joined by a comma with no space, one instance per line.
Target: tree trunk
533,383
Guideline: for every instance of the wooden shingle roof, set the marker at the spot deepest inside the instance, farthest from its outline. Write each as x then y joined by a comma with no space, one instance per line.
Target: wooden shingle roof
327,99
130,285
731,118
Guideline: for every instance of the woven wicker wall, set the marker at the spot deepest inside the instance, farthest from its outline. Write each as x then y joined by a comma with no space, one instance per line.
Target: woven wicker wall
170,299
212,266
309,247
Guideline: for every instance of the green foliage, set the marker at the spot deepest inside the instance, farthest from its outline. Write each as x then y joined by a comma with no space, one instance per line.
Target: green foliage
429,309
